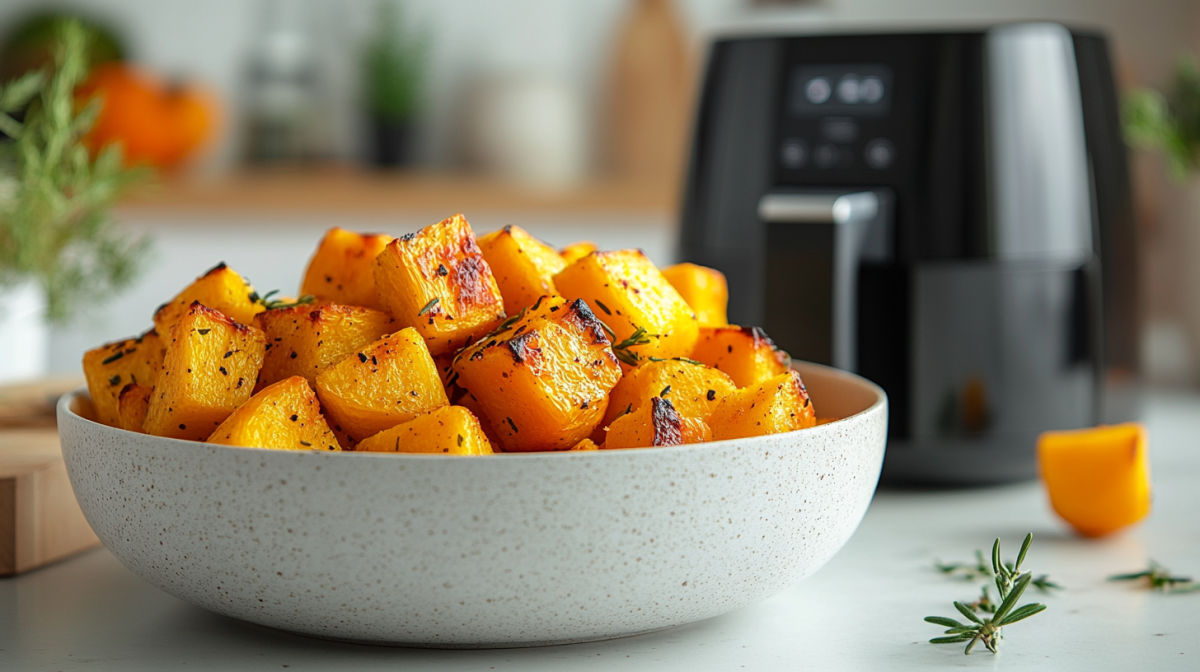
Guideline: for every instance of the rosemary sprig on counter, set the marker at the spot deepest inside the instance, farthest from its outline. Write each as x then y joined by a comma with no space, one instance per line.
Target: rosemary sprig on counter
1159,578
1011,583
980,569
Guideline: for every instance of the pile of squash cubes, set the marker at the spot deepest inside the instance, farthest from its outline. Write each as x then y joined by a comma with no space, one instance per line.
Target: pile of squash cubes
438,342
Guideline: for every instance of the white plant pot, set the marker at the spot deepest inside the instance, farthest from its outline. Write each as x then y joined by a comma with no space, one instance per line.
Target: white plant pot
24,333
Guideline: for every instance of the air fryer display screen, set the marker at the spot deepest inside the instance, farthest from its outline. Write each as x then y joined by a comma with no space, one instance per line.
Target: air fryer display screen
851,90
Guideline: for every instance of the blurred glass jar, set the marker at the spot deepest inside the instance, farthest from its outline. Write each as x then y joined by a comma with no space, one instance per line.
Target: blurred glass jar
529,128
282,87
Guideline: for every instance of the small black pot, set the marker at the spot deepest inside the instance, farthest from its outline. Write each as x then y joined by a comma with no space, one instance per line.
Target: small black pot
393,143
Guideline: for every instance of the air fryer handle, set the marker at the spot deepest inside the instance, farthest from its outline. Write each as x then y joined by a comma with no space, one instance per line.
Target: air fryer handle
852,215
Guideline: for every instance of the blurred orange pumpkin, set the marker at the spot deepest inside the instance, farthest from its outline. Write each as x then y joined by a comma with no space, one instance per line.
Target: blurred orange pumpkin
157,124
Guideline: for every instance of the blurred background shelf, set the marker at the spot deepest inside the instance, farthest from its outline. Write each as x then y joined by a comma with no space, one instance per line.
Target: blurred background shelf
354,193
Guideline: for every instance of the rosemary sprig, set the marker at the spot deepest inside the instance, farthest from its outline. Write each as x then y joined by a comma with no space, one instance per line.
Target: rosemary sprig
1159,578
274,304
622,349
981,569
429,306
1011,583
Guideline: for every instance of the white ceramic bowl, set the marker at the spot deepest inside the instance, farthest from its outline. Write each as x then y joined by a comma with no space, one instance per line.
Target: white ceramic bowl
509,550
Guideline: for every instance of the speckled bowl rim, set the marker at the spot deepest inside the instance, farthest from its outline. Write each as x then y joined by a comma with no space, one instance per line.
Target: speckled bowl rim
880,400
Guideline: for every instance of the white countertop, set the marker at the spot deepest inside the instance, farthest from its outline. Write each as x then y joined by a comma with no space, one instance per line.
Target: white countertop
862,611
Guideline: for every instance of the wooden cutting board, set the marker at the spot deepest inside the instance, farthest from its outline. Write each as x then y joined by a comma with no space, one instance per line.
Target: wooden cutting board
40,521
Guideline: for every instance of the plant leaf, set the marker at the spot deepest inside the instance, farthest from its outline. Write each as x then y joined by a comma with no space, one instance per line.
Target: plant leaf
942,620
1023,613
966,611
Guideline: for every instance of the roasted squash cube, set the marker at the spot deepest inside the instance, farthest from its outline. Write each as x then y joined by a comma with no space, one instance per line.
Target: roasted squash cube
342,268
745,353
1098,478
543,380
391,381
437,282
629,293
132,404
704,289
656,424
586,444
221,289
524,267
451,429
109,368
777,405
210,369
283,416
306,340
693,388
576,251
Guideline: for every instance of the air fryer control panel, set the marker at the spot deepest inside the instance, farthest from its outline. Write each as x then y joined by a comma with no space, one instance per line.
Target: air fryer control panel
826,106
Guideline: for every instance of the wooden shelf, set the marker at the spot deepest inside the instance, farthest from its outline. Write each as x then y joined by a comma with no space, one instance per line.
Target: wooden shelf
350,192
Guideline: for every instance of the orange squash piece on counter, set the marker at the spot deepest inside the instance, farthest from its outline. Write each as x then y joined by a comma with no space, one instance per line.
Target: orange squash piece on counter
449,430
132,405
628,292
305,340
524,267
437,282
543,380
209,370
222,289
693,388
747,354
389,382
656,424
342,268
110,367
1098,479
284,416
576,251
777,405
704,289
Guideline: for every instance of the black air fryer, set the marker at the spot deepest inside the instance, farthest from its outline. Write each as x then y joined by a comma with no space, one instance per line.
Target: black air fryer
947,214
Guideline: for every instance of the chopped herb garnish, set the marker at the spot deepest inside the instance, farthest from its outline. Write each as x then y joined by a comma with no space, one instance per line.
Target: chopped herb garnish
306,444
603,307
203,332
274,304
513,425
460,440
429,306
115,380
666,390
622,349
113,358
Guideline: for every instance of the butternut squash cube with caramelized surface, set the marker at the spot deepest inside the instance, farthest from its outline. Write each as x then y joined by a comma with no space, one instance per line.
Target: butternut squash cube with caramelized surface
132,405
210,369
524,267
693,388
342,268
449,430
633,298
542,379
284,416
390,381
437,282
576,251
584,445
777,405
704,289
221,289
1098,479
109,368
747,354
306,340
656,424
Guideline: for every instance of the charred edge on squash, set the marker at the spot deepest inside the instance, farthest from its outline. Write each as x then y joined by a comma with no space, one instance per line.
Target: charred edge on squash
668,426
522,350
760,338
579,315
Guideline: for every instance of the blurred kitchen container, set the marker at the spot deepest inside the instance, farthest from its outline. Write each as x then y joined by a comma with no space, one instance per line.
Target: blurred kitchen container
24,336
529,128
281,87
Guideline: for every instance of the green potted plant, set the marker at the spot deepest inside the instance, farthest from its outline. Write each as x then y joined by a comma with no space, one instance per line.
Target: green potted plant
392,68
59,249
